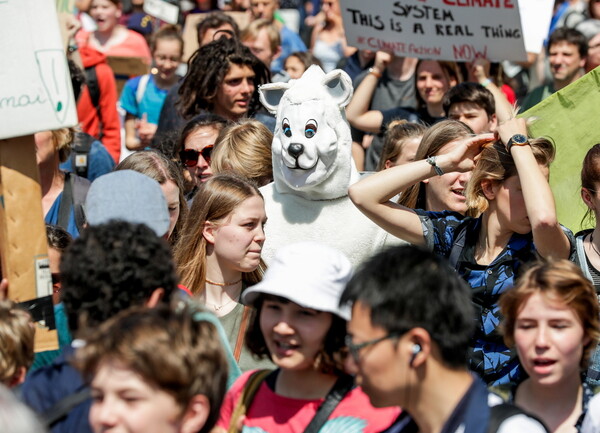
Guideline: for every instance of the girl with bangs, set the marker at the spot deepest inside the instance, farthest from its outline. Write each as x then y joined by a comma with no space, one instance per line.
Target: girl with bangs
510,220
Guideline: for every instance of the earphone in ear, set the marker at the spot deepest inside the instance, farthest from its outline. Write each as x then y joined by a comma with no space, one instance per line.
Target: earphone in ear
415,351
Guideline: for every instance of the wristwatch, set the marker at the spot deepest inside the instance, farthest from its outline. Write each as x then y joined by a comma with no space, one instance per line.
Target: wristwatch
517,140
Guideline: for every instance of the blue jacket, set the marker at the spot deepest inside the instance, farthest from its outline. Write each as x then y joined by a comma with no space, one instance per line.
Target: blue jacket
48,385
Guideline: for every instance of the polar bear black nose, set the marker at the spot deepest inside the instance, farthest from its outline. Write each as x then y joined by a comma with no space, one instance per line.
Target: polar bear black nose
296,149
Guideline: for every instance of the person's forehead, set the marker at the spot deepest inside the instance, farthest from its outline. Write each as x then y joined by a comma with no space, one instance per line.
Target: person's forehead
563,46
239,71
465,107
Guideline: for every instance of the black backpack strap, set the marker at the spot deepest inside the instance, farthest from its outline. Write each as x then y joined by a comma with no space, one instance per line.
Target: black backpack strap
80,153
66,201
80,187
458,246
91,80
342,386
63,406
501,412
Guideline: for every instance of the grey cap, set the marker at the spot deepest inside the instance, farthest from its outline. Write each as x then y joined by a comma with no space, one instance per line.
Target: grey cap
129,196
310,274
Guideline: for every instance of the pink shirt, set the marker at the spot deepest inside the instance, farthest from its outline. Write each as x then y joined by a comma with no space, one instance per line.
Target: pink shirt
273,413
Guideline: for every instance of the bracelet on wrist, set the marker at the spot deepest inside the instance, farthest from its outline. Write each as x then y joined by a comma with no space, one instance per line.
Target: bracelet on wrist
375,72
486,82
431,160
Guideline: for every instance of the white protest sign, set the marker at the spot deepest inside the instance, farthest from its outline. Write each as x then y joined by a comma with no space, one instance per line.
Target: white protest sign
162,10
535,21
459,30
35,86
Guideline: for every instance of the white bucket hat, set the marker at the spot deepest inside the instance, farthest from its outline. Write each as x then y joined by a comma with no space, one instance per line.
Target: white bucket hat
309,274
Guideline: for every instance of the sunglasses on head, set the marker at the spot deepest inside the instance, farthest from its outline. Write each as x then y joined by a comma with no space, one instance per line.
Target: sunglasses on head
189,157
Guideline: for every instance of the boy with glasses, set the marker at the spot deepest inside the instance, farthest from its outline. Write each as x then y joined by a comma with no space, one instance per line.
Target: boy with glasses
412,319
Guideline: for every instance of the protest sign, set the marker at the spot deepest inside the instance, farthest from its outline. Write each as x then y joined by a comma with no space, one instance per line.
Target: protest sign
459,30
566,117
35,95
162,10
35,87
535,22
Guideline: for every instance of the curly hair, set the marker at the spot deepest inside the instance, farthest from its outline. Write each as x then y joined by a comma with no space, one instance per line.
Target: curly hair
111,267
207,69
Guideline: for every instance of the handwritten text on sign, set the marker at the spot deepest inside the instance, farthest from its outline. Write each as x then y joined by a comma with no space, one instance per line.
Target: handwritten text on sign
458,30
35,86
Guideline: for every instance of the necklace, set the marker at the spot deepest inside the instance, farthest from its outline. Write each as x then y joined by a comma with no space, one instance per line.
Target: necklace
222,284
220,307
592,243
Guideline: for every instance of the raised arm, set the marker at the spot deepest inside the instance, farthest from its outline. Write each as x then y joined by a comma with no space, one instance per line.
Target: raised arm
357,112
480,70
372,194
548,236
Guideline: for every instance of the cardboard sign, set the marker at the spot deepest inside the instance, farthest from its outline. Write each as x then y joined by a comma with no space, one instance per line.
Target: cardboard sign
566,117
23,235
535,22
190,34
162,10
125,68
35,87
459,30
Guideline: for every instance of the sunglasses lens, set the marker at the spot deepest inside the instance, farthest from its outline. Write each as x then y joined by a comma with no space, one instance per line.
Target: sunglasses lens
189,157
206,153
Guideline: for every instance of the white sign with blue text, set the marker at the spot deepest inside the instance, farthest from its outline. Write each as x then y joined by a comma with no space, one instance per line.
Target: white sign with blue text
35,86
459,30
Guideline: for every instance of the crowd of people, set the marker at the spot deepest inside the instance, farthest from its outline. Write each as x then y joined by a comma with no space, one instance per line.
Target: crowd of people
170,319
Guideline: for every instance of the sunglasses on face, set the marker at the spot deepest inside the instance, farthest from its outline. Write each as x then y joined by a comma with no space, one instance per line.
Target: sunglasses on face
189,157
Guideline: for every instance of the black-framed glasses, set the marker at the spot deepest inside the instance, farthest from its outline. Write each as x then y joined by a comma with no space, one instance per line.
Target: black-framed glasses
189,157
355,349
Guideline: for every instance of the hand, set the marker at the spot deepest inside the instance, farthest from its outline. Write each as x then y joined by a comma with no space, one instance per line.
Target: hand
382,60
3,289
479,70
464,155
145,130
511,127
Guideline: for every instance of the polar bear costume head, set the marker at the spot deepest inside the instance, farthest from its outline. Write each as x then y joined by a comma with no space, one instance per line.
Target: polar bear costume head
312,145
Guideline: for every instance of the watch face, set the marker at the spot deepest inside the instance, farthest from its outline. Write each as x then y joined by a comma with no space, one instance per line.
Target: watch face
518,139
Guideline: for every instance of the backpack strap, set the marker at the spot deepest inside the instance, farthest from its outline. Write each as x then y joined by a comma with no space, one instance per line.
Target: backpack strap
91,80
342,386
82,146
141,88
245,400
80,187
63,406
458,246
501,412
66,201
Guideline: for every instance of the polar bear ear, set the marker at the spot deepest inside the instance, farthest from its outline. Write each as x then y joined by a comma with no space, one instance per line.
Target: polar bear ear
339,86
271,94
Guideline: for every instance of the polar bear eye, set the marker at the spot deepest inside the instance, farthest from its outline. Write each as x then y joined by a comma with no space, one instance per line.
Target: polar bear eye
310,129
285,125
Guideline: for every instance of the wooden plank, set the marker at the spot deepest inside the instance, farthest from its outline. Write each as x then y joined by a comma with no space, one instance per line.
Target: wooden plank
23,245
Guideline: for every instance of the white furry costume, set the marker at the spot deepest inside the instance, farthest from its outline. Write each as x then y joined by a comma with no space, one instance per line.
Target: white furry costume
313,168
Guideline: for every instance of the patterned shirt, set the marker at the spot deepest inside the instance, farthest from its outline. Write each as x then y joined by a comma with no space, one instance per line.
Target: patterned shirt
488,355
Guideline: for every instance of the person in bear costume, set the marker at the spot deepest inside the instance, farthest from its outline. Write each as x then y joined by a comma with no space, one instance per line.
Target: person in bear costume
313,168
